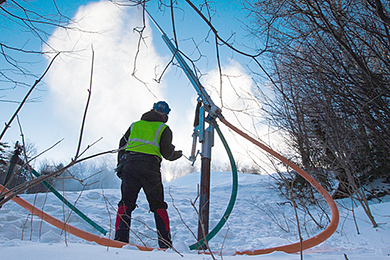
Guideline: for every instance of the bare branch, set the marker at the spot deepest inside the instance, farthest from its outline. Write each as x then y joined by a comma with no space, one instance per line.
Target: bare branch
25,98
87,105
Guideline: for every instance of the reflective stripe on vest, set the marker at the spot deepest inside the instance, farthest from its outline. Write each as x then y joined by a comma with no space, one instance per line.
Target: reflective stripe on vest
145,137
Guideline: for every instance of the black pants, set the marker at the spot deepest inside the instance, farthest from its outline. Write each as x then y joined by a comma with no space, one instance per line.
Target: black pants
142,172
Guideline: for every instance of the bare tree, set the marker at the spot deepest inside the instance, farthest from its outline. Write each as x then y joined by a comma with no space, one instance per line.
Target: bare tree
331,78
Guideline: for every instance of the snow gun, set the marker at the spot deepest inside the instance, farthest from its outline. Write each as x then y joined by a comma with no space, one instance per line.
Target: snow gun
215,112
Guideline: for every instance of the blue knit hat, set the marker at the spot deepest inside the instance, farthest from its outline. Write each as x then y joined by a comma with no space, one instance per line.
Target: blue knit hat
162,107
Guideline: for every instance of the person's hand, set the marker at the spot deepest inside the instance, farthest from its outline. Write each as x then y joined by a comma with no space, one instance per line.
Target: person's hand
176,155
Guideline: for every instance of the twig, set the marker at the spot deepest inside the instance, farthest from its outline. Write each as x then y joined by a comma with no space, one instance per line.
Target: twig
7,125
86,106
180,216
224,239
24,186
44,151
182,220
108,212
74,204
140,39
266,209
41,220
202,227
354,217
296,217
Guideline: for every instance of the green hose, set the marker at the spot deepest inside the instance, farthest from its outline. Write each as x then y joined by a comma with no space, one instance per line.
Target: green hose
67,203
198,245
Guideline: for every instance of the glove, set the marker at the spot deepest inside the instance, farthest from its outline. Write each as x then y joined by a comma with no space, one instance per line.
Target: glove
176,155
118,170
120,165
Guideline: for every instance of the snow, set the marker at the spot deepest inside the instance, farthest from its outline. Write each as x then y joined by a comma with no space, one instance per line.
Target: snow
260,219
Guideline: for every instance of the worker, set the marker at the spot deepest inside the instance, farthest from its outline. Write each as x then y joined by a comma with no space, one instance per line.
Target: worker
141,150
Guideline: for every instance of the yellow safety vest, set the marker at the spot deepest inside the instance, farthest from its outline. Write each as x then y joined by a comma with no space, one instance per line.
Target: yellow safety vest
145,137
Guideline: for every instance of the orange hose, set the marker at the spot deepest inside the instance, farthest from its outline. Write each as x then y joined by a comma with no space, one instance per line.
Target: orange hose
71,229
290,248
308,243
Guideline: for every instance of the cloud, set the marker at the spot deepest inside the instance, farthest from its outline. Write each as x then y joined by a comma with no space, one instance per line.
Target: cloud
239,106
117,98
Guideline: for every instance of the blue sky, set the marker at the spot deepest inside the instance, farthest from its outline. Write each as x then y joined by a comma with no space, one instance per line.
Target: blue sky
118,98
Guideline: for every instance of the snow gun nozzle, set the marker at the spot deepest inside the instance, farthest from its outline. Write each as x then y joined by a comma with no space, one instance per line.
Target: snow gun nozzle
192,158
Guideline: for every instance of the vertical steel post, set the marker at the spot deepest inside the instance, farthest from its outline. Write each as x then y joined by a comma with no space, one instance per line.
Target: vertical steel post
206,137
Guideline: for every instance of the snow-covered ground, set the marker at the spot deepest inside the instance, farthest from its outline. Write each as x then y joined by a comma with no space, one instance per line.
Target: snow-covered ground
250,226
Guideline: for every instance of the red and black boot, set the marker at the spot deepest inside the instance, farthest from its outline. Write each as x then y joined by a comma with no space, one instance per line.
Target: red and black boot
163,230
122,224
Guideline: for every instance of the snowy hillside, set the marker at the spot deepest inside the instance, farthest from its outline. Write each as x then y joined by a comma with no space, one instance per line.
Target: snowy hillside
260,219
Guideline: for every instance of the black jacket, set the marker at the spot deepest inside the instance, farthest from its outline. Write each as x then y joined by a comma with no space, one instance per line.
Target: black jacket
167,149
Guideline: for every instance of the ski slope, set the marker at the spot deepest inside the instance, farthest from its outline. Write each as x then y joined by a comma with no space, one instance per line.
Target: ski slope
249,227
